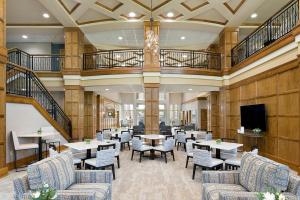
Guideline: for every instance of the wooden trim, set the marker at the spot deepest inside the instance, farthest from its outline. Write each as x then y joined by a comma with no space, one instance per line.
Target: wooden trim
3,171
129,70
73,87
94,21
151,85
287,39
38,107
233,11
194,8
172,18
190,100
128,18
153,9
110,101
49,74
207,72
66,8
35,24
108,8
209,21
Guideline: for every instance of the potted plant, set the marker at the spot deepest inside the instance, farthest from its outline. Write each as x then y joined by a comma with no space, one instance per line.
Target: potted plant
44,193
218,141
256,131
87,141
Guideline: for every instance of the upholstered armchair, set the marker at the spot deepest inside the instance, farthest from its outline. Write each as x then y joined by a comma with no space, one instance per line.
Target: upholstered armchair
70,184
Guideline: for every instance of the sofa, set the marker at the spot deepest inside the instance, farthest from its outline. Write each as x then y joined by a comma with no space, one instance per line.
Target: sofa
256,174
60,174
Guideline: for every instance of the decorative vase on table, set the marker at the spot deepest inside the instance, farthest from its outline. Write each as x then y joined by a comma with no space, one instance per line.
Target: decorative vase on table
44,193
256,131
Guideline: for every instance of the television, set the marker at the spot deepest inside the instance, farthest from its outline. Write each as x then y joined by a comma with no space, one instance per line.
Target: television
254,116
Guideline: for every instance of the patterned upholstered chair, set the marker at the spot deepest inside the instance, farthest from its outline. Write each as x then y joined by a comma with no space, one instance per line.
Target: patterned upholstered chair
53,153
60,174
167,147
125,138
203,159
138,146
257,174
235,162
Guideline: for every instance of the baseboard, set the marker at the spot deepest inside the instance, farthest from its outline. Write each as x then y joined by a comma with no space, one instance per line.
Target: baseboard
3,171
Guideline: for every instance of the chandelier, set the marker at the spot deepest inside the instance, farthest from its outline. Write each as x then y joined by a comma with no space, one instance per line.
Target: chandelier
152,40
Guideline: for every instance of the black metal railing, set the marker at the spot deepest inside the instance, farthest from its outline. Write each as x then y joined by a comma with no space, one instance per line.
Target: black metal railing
51,63
274,28
113,58
190,58
22,81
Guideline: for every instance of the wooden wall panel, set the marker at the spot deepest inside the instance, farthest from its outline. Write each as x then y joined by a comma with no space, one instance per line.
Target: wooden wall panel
279,90
90,114
152,108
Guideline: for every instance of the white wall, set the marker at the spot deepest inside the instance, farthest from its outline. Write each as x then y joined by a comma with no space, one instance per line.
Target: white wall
31,47
23,118
59,97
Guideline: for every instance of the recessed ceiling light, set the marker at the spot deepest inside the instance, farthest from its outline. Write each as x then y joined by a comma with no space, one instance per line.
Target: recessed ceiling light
24,36
46,15
120,38
182,37
254,15
170,14
190,89
106,89
132,14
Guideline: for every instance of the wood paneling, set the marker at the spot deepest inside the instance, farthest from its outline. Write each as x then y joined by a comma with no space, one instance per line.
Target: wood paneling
102,120
279,90
151,108
90,114
213,101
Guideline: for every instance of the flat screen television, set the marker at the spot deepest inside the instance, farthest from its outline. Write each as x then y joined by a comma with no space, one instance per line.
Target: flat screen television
254,116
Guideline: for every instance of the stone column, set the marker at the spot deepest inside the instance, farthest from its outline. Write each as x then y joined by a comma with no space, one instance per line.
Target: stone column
151,108
74,93
151,61
3,60
213,111
90,114
228,38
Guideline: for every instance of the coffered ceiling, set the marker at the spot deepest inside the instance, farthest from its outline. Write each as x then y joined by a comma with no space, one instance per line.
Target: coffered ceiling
103,21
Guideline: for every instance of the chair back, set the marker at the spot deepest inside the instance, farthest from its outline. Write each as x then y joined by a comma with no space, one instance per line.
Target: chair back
202,157
136,144
99,136
15,140
106,134
169,144
105,157
52,153
125,136
189,147
117,147
181,136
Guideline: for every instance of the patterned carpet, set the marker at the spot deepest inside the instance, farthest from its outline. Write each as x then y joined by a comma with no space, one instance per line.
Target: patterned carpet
149,180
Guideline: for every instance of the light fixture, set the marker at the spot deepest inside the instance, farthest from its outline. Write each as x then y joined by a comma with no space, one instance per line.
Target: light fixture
184,56
118,56
106,89
190,89
46,15
170,14
254,15
132,14
182,37
120,38
24,36
152,40
179,65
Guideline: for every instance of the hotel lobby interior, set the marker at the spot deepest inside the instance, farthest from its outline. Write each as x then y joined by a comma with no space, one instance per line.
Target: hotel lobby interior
149,100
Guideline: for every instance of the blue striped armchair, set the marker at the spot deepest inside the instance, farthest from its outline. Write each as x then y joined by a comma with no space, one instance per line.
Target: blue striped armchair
61,175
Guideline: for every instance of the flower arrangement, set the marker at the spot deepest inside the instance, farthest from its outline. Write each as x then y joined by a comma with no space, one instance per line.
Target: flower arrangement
257,130
271,194
39,131
44,193
218,141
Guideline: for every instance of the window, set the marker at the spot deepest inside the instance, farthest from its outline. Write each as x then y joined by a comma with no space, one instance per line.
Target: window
174,114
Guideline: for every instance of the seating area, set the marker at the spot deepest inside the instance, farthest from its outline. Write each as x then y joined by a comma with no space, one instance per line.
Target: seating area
149,100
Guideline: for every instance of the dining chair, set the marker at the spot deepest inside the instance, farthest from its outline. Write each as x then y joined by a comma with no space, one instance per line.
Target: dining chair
189,151
54,153
137,146
99,136
125,139
106,134
203,159
167,147
22,148
117,152
235,163
50,140
104,158
181,139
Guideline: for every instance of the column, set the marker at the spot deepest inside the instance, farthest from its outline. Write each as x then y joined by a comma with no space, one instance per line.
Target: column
90,114
74,93
151,61
151,108
3,60
213,101
228,38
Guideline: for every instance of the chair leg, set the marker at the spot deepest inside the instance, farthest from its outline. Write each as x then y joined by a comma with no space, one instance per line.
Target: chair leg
128,145
166,160
118,160
141,153
113,171
58,147
132,154
15,160
46,150
173,155
184,146
187,161
177,145
194,169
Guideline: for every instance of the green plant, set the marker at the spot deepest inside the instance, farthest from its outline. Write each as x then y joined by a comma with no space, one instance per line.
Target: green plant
257,130
218,141
271,194
44,193
87,141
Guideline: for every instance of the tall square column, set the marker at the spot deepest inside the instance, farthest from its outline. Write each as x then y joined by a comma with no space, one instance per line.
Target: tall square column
151,108
90,114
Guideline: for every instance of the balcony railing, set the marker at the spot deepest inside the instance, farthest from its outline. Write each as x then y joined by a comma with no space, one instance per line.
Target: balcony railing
24,82
50,63
113,58
276,27
190,58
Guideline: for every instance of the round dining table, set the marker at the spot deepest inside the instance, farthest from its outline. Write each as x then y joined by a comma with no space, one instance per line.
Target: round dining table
153,138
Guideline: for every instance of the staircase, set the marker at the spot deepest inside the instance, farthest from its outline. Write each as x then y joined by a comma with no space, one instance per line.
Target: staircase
23,82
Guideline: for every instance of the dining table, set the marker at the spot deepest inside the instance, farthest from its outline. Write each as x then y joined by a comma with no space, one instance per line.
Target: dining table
40,139
89,145
153,138
213,144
